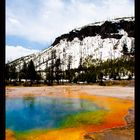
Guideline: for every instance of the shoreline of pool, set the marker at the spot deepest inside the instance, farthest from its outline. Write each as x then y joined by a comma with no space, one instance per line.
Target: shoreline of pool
114,97
109,91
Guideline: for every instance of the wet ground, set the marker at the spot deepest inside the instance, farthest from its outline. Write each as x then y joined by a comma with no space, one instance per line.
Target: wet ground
117,100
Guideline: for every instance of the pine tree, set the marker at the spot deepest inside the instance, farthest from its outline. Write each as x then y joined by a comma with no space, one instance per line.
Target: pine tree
57,70
13,72
69,68
48,74
53,57
50,69
23,71
31,72
125,49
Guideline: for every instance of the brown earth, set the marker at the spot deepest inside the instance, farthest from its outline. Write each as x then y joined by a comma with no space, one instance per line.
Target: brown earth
110,91
121,133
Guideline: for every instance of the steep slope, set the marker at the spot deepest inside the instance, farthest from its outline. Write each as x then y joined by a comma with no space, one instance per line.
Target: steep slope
102,40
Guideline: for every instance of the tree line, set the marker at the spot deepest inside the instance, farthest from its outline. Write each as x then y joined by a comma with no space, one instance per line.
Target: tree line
27,72
90,70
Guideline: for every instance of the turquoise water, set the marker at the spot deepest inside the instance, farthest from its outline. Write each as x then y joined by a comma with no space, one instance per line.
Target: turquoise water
43,112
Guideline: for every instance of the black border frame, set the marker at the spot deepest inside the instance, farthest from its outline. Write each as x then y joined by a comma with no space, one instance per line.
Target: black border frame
137,72
2,67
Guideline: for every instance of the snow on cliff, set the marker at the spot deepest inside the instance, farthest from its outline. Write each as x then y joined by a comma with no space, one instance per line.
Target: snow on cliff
102,40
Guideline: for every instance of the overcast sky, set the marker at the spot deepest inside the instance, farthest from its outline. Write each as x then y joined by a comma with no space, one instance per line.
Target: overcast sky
32,25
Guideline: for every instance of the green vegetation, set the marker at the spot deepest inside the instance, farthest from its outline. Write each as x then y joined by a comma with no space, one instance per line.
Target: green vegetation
27,72
90,70
84,118
23,72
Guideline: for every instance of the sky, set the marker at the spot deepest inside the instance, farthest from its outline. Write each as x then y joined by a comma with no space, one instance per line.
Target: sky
33,25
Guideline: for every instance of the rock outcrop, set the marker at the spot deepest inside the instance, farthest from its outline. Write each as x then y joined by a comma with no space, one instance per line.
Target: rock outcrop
121,133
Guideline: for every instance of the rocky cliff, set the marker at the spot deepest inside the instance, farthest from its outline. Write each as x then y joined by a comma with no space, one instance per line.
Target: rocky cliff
101,40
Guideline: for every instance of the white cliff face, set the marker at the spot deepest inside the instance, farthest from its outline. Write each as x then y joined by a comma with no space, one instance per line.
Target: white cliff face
103,49
97,46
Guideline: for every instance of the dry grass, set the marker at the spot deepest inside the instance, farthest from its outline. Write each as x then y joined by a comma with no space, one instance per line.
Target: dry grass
119,83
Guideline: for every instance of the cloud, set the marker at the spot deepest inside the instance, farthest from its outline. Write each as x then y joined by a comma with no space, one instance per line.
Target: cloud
43,20
14,52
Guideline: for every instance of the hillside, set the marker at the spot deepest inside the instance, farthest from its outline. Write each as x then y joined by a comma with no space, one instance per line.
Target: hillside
101,40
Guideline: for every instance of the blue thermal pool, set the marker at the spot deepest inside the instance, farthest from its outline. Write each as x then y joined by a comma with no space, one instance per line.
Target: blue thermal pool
29,113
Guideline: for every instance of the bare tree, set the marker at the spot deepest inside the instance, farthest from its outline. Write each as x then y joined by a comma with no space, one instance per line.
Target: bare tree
69,68
57,70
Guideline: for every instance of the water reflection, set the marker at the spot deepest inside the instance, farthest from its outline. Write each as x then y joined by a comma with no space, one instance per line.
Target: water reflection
42,112
29,101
